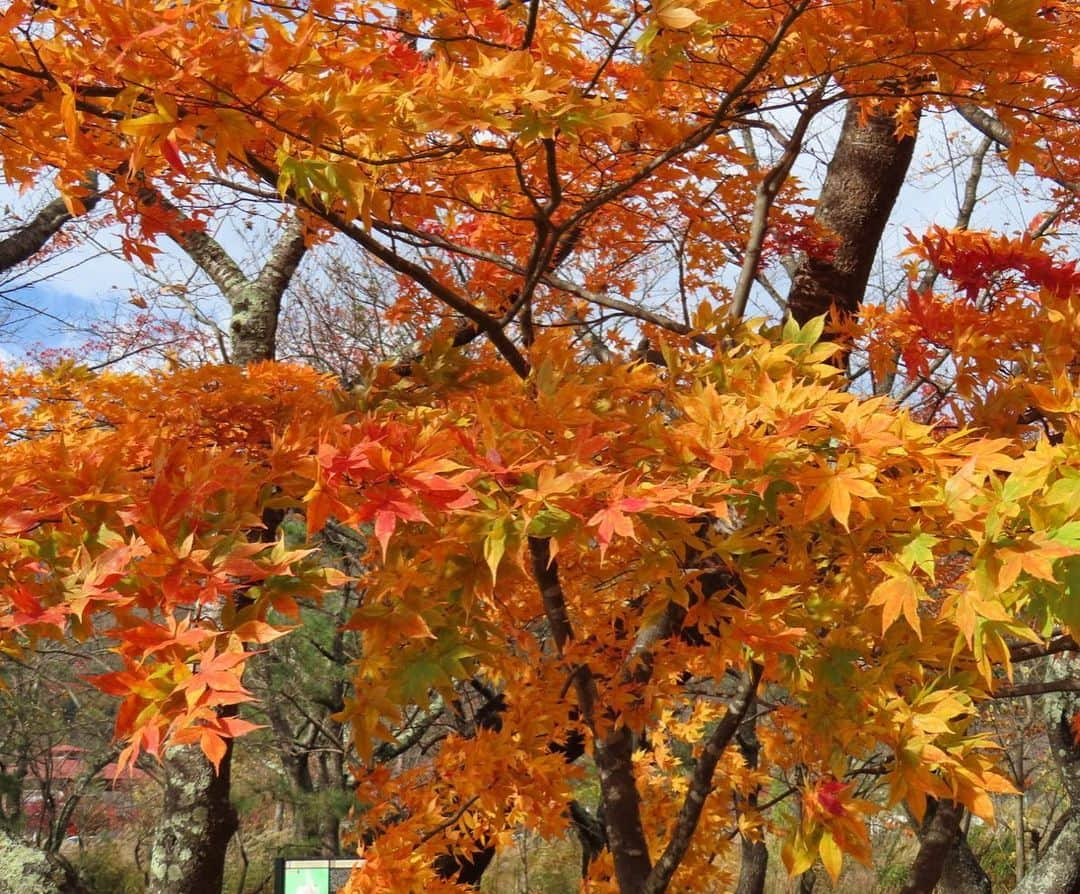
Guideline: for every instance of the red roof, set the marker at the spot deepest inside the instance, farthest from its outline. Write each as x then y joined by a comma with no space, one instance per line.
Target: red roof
67,762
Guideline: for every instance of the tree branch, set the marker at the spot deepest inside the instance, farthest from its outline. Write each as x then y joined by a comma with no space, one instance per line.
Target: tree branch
767,192
1033,651
30,238
993,128
1020,690
703,133
701,785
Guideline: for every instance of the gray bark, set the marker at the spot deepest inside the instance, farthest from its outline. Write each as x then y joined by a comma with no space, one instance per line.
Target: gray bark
27,870
963,873
753,865
198,821
1058,868
196,824
255,303
864,178
30,238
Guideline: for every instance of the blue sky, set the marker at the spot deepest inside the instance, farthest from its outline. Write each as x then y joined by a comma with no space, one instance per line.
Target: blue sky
89,280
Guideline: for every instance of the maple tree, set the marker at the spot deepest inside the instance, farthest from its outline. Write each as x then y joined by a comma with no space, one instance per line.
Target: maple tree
651,547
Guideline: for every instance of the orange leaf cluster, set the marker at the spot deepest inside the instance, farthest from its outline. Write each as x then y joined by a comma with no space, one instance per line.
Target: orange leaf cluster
132,507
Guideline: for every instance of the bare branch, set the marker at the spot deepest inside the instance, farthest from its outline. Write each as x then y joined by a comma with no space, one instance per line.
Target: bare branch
767,192
701,785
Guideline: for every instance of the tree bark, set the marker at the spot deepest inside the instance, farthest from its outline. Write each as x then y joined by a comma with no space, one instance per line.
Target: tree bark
193,832
187,855
1058,869
255,303
613,748
590,832
30,238
28,870
936,842
864,178
621,803
754,856
753,865
963,873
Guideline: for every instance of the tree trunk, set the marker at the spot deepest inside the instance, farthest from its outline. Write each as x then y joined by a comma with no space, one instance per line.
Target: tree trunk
188,852
590,833
963,873
621,807
1021,838
864,178
1058,869
753,865
936,842
27,870
754,857
255,304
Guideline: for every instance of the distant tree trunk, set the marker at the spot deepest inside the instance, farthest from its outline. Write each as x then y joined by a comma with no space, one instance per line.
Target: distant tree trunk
864,178
1021,825
187,854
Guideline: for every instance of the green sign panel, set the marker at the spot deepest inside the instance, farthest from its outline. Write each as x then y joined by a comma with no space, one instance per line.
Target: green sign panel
307,879
312,876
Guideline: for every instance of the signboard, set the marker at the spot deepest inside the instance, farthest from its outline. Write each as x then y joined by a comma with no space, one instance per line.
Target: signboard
311,875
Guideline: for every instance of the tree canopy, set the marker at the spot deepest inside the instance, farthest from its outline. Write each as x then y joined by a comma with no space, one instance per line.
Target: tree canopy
645,544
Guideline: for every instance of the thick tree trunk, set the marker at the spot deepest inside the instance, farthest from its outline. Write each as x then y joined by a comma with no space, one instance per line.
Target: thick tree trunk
1058,869
936,842
28,870
188,852
867,170
963,873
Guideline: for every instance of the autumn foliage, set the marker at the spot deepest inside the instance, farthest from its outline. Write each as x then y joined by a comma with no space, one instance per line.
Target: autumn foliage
132,506
635,543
